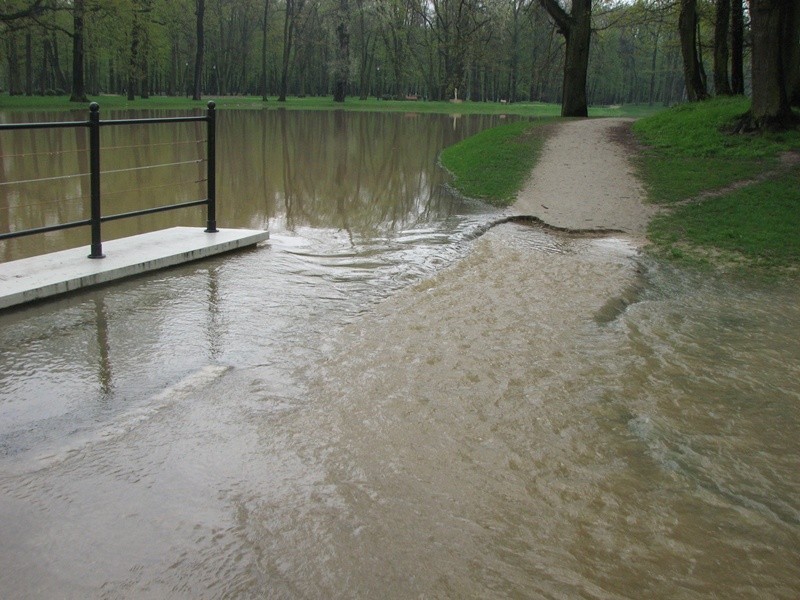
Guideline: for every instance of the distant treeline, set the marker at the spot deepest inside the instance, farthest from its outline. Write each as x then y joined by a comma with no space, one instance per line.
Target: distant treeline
484,50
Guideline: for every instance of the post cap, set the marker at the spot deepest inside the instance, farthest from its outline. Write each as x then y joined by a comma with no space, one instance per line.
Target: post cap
94,107
211,105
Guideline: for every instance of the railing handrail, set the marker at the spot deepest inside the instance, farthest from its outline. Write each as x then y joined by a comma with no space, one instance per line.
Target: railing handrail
97,218
64,124
46,125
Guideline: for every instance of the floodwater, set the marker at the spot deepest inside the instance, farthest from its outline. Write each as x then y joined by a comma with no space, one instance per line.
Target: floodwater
384,403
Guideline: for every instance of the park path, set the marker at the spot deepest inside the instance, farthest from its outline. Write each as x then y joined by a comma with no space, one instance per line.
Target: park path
585,179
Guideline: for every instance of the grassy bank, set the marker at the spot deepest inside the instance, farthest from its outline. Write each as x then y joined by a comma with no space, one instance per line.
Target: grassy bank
730,198
110,102
492,165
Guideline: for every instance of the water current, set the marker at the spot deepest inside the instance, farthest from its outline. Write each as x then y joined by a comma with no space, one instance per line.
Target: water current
407,408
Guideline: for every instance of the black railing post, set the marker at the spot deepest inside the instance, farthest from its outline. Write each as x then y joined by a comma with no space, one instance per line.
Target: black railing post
94,169
211,157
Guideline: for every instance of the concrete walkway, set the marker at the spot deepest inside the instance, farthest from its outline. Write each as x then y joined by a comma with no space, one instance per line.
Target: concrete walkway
43,276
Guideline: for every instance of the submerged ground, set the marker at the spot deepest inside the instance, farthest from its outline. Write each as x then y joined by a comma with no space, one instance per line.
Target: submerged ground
552,415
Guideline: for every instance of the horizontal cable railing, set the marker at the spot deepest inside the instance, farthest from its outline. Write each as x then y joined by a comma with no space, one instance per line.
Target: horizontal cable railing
96,218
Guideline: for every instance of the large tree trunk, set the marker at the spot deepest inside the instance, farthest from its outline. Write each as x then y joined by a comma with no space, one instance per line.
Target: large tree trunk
722,85
576,27
692,73
791,56
576,61
770,108
341,70
737,47
201,44
78,82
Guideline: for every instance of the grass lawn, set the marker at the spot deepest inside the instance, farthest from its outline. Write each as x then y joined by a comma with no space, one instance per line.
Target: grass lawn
690,151
493,164
758,224
113,102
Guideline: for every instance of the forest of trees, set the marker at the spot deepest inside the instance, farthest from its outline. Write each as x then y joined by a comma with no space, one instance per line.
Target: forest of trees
570,51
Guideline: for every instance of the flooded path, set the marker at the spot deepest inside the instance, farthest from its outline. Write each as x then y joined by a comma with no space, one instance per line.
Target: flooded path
525,414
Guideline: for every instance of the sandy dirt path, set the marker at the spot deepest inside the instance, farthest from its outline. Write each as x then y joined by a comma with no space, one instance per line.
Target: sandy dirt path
585,180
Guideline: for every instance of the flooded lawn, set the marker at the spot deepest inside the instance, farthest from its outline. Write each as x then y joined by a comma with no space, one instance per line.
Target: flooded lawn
381,402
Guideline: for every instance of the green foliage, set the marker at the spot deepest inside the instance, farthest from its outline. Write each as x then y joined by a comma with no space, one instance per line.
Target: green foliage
738,202
493,165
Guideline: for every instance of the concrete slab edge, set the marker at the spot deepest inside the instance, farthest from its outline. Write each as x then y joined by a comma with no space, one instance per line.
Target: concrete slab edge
128,270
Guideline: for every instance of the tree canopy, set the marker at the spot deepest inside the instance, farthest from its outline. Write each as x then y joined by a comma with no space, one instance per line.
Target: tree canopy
575,52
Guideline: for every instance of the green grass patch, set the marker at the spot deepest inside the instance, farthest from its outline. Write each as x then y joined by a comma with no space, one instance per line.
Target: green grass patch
759,223
689,151
671,179
702,129
113,102
492,165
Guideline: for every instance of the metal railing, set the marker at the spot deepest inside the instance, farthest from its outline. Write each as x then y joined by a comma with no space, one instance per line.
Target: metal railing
97,217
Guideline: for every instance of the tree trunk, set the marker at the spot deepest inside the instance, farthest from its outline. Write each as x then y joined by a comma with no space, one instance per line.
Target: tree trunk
55,61
366,56
144,52
653,64
513,80
133,59
722,86
263,80
173,69
770,108
287,49
28,63
14,87
341,69
791,56
576,61
576,27
692,73
201,43
737,47
78,81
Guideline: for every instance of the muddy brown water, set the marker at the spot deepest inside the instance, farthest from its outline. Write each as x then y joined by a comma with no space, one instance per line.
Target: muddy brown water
388,402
